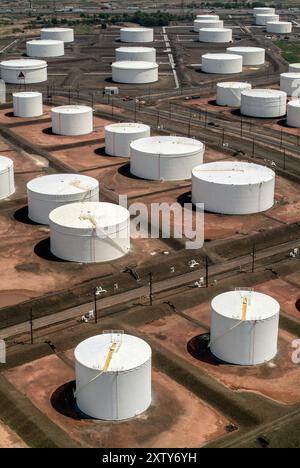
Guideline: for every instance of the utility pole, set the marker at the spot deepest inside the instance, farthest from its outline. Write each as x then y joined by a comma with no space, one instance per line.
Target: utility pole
206,272
95,306
223,137
253,148
151,288
31,326
253,257
284,158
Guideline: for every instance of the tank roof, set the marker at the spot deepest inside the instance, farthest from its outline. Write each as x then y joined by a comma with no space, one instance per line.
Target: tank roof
166,146
5,163
233,173
62,184
130,127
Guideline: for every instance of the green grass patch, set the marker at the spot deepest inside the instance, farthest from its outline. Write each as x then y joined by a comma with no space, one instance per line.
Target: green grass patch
290,50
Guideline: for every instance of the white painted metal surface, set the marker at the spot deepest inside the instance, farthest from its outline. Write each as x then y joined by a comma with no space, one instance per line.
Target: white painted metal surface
279,27
213,35
294,67
262,20
208,23
233,188
251,55
124,391
47,193
90,232
222,63
293,113
28,104
137,35
72,120
7,178
45,48
165,157
118,137
59,34
266,103
23,71
136,54
135,72
244,342
229,93
208,17
290,83
263,11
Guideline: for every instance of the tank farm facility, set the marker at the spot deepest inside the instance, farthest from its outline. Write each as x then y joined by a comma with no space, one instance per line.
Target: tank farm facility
128,133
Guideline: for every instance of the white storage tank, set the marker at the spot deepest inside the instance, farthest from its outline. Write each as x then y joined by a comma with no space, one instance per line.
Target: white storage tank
45,48
212,35
119,136
229,93
72,120
135,72
244,327
7,178
290,83
28,104
208,23
113,376
251,55
49,192
136,54
266,103
58,34
262,20
293,113
279,27
294,67
23,71
233,188
90,232
263,11
165,157
137,35
222,64
208,17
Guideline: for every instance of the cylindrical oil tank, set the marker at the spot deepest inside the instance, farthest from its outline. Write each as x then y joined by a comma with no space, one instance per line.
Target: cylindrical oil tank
90,232
208,23
208,17
263,11
45,48
7,178
244,327
165,157
251,55
294,67
58,34
136,54
229,93
266,103
47,193
233,188
279,27
113,376
290,83
23,71
262,20
293,113
222,64
119,136
137,35
215,35
72,120
28,104
135,72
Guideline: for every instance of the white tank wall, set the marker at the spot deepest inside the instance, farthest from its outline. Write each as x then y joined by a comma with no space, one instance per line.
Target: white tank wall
28,104
262,20
134,72
279,27
142,54
137,35
215,35
165,158
59,34
118,137
34,71
216,24
264,103
251,55
290,83
47,193
229,94
233,188
294,67
293,113
45,48
114,396
264,11
72,120
222,63
208,17
86,243
7,178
